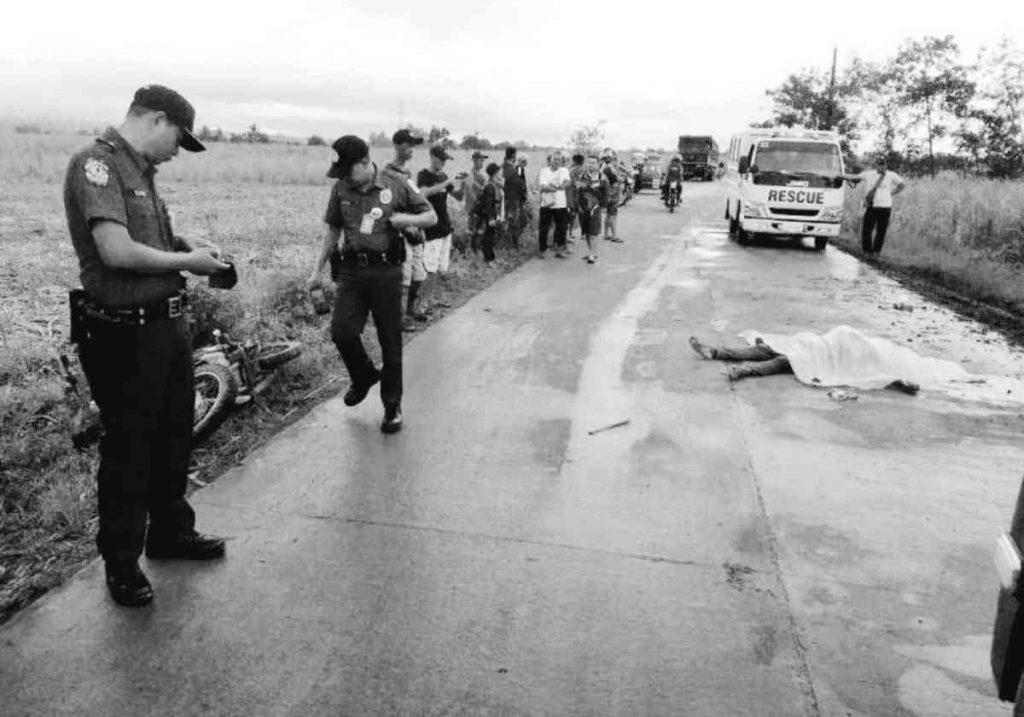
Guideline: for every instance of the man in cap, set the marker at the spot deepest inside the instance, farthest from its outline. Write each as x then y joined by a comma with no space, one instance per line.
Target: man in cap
133,338
436,186
405,142
514,186
366,215
472,186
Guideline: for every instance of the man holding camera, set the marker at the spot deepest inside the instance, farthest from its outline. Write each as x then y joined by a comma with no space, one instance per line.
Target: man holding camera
436,186
133,338
366,215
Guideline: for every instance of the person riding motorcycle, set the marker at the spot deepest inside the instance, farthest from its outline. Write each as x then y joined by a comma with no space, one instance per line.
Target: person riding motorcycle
674,172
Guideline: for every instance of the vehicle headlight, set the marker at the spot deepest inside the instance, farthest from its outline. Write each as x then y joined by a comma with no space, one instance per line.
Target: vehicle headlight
755,210
832,214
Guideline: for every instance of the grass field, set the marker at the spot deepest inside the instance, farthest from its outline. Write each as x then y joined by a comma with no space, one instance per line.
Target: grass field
966,234
264,205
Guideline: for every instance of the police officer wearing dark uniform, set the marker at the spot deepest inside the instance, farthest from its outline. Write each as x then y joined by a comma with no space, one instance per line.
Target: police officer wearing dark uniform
133,340
365,216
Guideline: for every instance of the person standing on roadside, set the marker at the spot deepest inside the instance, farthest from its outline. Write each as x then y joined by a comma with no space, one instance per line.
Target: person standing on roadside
614,194
591,194
488,211
472,186
414,269
133,338
514,187
552,182
365,219
436,186
882,185
570,196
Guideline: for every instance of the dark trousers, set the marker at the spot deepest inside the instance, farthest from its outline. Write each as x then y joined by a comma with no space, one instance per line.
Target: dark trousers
876,219
141,379
558,217
487,243
362,291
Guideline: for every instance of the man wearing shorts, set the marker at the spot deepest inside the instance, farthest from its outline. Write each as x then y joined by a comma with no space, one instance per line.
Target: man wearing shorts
413,271
436,186
614,195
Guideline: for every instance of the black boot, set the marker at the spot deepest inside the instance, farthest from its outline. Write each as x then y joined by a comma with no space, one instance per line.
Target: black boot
127,583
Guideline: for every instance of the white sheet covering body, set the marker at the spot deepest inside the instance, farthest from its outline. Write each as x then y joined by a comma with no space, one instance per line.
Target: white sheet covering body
846,357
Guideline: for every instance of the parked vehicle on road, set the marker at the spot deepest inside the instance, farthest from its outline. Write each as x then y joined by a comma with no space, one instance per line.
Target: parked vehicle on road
700,156
229,374
785,183
648,175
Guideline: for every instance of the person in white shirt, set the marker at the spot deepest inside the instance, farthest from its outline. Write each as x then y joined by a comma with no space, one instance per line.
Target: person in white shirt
552,182
882,184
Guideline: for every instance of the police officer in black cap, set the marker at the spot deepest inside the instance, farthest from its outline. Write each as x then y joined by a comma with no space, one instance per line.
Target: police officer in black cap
365,216
133,339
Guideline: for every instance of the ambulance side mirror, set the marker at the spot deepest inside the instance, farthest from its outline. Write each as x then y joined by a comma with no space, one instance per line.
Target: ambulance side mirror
744,165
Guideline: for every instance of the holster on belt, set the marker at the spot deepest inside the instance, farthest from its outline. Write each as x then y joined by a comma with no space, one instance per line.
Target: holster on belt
77,301
396,248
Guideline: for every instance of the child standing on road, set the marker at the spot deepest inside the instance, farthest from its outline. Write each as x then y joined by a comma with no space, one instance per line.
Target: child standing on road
591,192
488,210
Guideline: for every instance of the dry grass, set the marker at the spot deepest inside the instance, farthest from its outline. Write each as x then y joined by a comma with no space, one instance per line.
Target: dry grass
264,205
966,233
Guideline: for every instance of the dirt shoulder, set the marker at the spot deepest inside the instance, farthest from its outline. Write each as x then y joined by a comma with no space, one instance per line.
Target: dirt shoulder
963,297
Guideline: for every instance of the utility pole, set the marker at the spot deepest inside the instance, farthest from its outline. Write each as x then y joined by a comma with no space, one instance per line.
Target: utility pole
832,91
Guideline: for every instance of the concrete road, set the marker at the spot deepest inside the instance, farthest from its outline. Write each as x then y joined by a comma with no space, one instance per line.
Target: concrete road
747,549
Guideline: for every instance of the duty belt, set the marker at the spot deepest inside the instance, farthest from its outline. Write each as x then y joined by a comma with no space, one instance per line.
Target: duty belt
170,308
366,258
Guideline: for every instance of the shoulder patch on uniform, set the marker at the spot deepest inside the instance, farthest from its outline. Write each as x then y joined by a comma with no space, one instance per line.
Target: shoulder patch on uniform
385,197
412,186
96,172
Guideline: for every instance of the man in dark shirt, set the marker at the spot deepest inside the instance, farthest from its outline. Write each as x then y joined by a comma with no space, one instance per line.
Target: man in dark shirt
133,338
365,216
514,187
436,186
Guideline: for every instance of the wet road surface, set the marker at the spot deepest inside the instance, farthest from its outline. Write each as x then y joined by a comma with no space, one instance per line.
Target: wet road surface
746,549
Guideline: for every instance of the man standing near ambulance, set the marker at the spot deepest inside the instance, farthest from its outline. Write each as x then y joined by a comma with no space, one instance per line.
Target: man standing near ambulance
882,185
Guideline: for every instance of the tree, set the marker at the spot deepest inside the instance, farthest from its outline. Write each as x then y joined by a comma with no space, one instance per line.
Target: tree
586,138
441,136
816,99
932,84
992,133
379,139
474,141
316,141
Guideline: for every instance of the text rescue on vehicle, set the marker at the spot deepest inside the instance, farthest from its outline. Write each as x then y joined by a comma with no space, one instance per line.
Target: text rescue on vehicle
789,195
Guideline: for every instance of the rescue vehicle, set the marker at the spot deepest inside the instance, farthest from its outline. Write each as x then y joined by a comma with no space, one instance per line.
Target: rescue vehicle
786,183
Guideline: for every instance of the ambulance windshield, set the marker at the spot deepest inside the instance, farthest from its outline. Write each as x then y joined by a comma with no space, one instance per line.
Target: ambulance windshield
797,157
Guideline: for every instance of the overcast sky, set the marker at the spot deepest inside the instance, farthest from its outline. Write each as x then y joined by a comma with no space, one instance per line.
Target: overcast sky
517,69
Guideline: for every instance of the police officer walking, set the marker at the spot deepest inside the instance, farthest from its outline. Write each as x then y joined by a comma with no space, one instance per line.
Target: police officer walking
365,216
133,339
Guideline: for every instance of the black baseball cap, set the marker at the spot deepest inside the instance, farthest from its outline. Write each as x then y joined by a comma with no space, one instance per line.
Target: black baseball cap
178,110
440,152
350,149
404,136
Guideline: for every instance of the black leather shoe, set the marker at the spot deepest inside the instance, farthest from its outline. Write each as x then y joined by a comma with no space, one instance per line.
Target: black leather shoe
128,584
185,546
392,419
357,391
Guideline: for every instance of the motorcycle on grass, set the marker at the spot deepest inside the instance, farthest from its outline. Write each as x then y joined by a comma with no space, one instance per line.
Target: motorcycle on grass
228,374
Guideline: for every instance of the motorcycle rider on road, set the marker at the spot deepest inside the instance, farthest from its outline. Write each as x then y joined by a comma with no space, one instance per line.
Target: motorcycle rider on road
674,172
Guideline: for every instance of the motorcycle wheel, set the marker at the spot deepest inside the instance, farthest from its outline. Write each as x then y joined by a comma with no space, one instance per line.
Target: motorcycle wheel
277,353
215,392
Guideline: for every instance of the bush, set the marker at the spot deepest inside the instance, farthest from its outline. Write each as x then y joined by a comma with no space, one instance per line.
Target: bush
316,141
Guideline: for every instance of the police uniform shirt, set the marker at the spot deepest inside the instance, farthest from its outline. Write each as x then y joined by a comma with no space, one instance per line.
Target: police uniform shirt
110,181
365,217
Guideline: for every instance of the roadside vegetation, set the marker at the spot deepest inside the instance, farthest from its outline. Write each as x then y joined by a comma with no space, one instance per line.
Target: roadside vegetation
263,203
